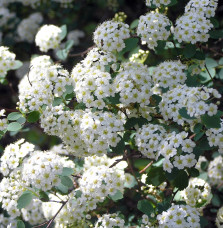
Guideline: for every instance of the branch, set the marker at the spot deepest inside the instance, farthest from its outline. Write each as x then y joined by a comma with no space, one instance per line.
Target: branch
208,72
82,53
143,170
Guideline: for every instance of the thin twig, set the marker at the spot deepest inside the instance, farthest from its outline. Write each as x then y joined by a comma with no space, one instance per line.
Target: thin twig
9,109
212,50
143,170
192,136
82,53
28,75
208,72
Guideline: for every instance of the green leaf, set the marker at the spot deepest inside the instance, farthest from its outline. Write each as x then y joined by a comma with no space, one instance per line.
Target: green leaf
181,180
67,171
57,101
69,89
135,121
119,149
193,172
117,196
197,128
160,47
155,100
199,55
216,34
17,65
134,24
20,224
63,189
214,22
43,196
155,176
24,200
63,32
165,205
173,2
205,77
211,121
130,44
62,54
184,114
113,100
189,51
216,201
203,222
69,44
66,181
198,136
15,126
210,63
33,117
146,207
14,116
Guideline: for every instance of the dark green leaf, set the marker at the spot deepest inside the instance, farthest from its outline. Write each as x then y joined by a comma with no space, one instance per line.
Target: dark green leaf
189,51
216,201
67,171
198,136
33,117
184,114
63,32
199,55
57,101
198,127
20,224
117,196
214,22
181,180
113,100
211,121
203,222
210,63
135,121
43,196
15,126
193,172
14,116
155,176
66,181
119,149
24,200
165,205
130,44
78,194
155,100
216,34
146,207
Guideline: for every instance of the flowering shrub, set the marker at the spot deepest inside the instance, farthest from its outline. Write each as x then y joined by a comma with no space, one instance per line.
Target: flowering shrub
128,135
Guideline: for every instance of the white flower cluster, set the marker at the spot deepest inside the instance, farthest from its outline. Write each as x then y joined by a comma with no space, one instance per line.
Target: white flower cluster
42,84
13,154
32,3
197,193
157,3
179,216
5,16
110,221
153,140
83,132
110,36
153,27
194,99
101,181
133,83
3,121
42,169
7,222
7,60
169,74
33,213
215,137
139,57
28,27
199,163
75,35
219,218
11,188
48,37
194,25
204,7
145,222
215,171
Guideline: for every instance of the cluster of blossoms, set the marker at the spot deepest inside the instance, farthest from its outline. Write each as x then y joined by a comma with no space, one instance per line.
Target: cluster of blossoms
83,132
204,7
28,27
42,169
219,218
195,24
7,222
169,74
133,83
48,37
157,3
5,15
215,137
42,84
153,27
7,60
12,155
153,141
110,221
194,99
139,57
110,36
197,193
75,35
3,121
215,171
179,216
